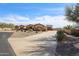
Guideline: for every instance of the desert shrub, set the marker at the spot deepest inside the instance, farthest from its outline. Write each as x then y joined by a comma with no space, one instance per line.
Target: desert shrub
60,35
75,32
5,25
68,27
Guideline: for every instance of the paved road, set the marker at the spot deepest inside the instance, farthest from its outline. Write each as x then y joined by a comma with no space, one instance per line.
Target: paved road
43,44
5,48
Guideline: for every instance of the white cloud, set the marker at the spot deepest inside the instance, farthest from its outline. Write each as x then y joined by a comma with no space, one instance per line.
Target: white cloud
56,21
14,18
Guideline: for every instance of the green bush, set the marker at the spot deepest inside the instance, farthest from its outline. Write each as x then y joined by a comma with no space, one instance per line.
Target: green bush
60,35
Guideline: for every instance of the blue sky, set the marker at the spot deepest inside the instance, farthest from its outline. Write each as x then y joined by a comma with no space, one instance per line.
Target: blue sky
24,13
33,9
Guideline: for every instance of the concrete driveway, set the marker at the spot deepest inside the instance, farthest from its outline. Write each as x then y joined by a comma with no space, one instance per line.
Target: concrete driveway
42,44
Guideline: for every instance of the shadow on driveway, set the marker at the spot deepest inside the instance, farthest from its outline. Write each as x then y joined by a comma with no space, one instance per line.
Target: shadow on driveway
46,47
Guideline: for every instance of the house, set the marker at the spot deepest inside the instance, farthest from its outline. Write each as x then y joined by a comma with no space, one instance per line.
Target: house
49,27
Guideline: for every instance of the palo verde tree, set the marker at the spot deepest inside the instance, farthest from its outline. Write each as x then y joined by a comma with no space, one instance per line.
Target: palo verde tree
72,13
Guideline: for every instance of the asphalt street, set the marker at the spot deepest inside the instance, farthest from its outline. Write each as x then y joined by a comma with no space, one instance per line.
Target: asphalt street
5,48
